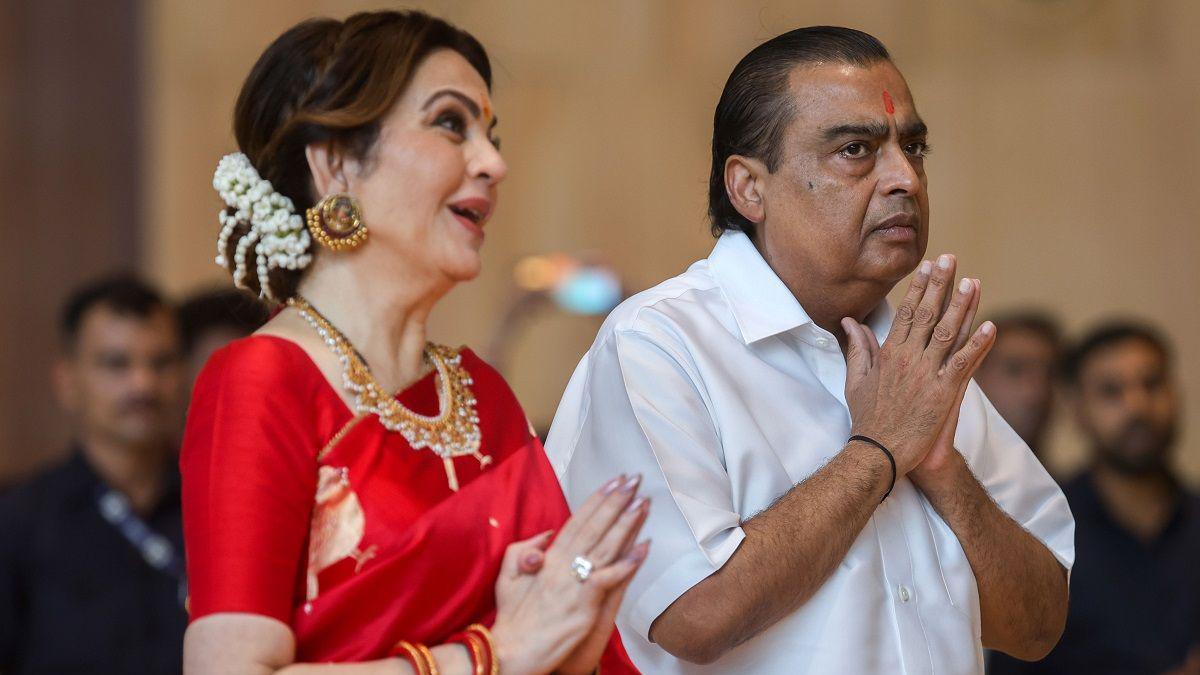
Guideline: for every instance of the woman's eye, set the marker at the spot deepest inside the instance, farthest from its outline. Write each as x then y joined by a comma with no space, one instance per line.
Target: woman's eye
495,142
452,122
854,150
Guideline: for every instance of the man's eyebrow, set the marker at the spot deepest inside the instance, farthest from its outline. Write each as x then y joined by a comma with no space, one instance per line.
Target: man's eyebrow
874,130
913,130
470,105
863,129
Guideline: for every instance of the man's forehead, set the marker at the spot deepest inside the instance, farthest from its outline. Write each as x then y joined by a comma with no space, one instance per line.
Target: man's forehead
833,91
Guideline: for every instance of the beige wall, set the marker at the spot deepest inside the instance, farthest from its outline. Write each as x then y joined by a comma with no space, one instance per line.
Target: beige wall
1064,133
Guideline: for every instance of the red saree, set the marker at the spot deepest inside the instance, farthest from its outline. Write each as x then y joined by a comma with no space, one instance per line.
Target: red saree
297,509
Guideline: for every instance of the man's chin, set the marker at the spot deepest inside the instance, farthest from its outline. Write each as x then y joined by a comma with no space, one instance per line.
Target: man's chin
1136,466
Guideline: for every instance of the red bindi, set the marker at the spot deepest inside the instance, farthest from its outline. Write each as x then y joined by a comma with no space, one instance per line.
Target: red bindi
887,103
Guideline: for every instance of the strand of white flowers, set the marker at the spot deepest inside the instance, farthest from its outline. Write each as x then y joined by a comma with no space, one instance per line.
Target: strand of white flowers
282,239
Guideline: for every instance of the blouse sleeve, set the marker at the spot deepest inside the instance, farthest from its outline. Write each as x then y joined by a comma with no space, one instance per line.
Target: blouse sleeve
249,477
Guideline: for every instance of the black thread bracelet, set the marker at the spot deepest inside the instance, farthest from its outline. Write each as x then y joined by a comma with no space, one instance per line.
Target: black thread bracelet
891,459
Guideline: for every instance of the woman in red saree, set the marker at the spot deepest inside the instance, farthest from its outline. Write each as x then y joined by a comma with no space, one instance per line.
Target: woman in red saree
326,520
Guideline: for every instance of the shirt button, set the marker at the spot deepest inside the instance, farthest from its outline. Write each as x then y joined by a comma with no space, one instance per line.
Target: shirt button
822,342
905,595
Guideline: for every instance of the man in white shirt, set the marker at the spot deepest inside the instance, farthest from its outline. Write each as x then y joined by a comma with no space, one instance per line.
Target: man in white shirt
822,503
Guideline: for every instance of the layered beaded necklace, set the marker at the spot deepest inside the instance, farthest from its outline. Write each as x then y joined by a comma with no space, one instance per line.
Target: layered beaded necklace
453,432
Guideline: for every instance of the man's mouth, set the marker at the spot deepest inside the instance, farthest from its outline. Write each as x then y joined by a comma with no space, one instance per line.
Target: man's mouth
899,227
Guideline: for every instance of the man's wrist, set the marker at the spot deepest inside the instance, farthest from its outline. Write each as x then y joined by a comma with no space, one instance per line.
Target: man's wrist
943,478
872,465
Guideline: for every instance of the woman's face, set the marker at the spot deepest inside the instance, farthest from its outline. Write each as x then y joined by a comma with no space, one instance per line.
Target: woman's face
428,186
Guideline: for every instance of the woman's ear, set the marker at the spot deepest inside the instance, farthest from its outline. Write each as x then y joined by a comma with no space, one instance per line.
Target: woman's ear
744,185
326,165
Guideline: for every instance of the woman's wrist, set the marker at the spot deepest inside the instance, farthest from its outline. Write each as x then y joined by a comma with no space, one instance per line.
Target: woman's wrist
511,651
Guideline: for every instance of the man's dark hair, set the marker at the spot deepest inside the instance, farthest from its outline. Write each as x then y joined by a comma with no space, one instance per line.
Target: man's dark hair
223,308
123,293
1109,334
755,108
1032,320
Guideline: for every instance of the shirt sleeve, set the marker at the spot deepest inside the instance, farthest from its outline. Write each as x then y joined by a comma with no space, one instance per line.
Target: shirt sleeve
1014,477
642,411
249,478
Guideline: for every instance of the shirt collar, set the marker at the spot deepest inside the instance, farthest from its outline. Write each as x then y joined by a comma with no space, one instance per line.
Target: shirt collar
760,302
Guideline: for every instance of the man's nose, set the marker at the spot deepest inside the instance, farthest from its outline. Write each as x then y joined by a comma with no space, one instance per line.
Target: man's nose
898,176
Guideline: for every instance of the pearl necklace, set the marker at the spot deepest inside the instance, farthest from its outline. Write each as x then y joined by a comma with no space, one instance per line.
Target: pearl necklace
453,432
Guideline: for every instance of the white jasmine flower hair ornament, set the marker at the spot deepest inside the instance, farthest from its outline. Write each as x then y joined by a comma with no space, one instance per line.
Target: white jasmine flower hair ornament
277,232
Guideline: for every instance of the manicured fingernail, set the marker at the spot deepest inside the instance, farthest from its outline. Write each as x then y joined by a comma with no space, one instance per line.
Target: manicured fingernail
987,328
925,268
639,552
532,559
632,483
965,285
612,485
944,261
636,504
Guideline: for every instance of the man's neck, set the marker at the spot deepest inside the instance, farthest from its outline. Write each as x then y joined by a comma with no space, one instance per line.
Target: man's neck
136,472
1141,504
828,302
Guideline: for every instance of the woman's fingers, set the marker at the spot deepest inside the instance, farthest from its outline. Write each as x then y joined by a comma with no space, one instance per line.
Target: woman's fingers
607,578
525,556
616,540
590,531
902,323
571,528
930,308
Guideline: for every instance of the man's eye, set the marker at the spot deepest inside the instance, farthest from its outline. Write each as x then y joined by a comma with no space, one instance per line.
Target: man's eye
854,150
917,149
452,122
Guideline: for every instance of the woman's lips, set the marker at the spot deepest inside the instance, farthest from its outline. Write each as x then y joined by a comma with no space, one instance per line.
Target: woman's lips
470,225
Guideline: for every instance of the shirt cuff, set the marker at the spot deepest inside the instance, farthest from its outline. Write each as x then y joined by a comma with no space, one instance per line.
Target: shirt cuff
689,570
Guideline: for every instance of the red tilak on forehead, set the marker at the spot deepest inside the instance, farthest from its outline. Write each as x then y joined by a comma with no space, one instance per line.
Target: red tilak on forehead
887,103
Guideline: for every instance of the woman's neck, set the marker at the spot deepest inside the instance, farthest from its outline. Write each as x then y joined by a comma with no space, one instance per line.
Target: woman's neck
384,319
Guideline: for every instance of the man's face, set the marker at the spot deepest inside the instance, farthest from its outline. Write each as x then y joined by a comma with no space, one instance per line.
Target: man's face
1018,377
122,381
1127,406
848,199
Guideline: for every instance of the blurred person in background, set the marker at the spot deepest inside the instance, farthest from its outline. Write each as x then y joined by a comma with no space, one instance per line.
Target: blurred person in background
91,557
1135,591
212,319
1019,375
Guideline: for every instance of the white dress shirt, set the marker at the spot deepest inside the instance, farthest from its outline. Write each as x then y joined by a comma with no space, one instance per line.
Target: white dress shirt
719,389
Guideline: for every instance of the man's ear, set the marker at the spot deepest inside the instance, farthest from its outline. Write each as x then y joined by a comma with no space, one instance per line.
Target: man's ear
327,166
744,185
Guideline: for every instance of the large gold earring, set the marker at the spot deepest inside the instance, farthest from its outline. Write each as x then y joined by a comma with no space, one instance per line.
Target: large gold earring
336,222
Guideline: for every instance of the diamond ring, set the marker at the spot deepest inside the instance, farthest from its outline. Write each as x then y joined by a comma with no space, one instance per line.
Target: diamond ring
581,567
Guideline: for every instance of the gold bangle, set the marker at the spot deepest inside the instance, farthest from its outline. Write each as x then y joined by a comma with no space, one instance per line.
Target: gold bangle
474,644
414,656
483,632
430,663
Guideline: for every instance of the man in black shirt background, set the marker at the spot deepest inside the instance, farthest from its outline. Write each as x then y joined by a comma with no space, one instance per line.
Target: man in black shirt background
91,558
1135,587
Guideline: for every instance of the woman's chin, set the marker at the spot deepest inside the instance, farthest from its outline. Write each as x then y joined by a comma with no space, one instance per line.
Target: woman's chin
466,268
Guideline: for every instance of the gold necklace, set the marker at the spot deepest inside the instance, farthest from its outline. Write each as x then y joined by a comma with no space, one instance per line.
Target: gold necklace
453,432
